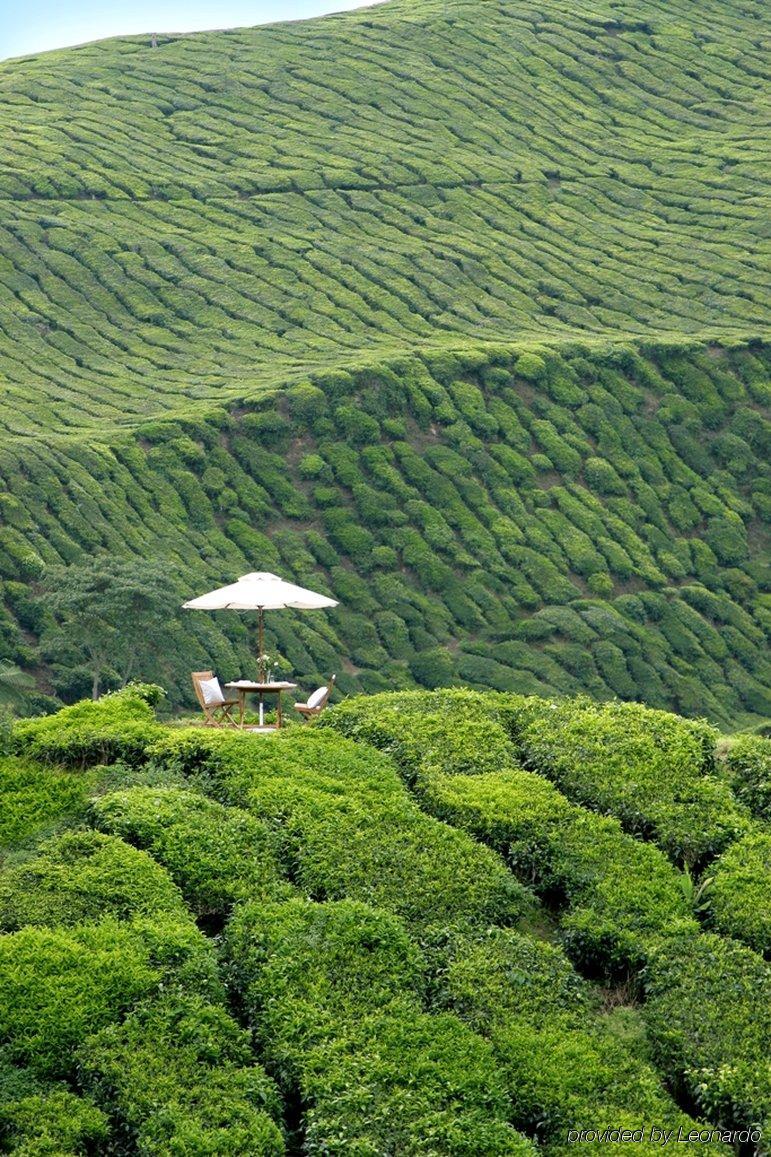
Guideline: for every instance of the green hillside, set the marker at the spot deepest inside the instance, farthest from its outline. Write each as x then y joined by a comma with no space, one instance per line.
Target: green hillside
441,924
538,524
519,253
226,209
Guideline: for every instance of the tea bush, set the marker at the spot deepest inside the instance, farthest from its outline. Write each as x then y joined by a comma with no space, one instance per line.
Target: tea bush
422,1084
709,1017
52,1121
621,895
748,764
432,718
349,829
37,798
84,876
502,973
332,991
374,868
178,1075
305,967
215,854
652,770
619,892
739,891
464,547
562,1063
455,731
119,726
61,984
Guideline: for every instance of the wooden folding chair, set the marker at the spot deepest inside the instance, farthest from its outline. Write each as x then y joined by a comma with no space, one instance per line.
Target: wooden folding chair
317,701
216,714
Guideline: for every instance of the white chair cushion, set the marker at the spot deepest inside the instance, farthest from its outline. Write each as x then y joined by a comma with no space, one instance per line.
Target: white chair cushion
212,692
318,697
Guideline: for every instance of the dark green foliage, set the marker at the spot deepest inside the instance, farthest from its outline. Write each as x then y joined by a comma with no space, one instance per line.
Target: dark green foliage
728,539
441,549
562,1063
652,770
709,1017
739,891
332,992
17,690
110,614
84,876
748,763
601,476
348,827
120,726
60,985
433,668
216,854
530,366
178,1076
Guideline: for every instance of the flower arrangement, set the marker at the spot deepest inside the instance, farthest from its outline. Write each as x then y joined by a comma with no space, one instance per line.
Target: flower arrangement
271,667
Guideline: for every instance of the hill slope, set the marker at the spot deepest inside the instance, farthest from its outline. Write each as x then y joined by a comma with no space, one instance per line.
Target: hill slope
519,251
198,218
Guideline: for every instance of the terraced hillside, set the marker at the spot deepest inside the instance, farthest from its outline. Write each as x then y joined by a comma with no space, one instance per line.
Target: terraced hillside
193,220
406,930
520,251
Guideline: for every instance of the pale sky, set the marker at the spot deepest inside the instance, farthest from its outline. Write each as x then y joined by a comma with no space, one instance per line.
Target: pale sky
29,26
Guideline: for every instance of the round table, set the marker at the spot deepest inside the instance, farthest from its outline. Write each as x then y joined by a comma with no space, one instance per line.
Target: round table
244,687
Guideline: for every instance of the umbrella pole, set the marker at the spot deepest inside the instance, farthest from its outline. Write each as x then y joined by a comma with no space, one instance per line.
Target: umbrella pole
261,635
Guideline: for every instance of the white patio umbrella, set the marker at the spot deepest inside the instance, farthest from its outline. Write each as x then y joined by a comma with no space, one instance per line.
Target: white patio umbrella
260,592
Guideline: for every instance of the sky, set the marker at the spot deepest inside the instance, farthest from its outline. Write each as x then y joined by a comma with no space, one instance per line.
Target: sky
29,26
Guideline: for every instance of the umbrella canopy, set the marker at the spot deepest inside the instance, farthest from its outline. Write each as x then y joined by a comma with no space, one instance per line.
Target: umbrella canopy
260,592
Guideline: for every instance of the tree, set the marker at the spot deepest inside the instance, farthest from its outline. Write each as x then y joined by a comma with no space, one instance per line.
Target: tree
111,615
15,685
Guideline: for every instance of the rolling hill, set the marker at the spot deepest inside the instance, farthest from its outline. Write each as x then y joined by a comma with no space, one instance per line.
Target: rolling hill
457,310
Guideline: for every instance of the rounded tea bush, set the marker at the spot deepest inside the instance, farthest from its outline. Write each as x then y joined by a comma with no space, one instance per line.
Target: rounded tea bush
85,876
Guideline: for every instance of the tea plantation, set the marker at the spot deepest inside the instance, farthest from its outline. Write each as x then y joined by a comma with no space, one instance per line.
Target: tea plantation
401,930
457,311
454,309
541,523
